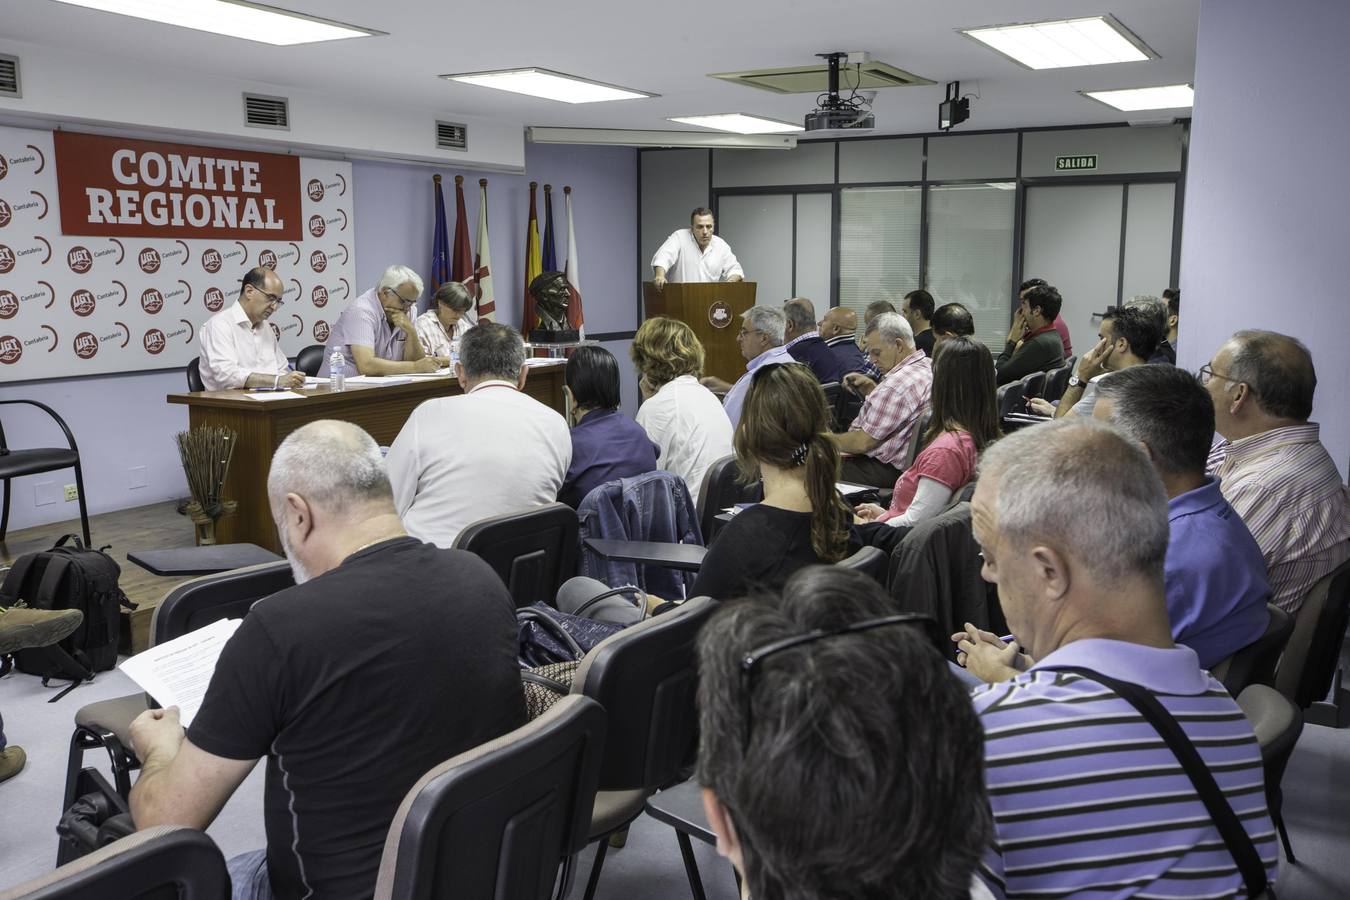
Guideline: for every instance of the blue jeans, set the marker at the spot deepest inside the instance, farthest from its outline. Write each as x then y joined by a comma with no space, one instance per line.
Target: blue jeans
248,876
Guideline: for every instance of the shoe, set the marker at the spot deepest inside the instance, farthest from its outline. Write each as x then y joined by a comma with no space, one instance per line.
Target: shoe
12,760
22,628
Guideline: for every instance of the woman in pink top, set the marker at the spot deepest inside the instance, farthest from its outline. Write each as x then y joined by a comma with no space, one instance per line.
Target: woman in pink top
965,421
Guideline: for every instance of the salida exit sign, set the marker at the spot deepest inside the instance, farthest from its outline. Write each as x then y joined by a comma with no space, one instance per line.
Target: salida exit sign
1075,163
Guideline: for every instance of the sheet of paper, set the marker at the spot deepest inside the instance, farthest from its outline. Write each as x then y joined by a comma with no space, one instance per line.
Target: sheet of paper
847,488
441,373
313,379
542,361
176,673
274,395
378,379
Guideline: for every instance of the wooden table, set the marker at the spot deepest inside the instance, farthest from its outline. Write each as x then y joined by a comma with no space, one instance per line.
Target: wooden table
263,424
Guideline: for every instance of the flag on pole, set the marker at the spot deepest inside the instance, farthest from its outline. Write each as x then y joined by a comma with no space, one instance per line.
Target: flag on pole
461,266
480,282
573,270
533,264
440,246
550,261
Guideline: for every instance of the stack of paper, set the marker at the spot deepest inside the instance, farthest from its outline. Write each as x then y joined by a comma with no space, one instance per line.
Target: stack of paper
177,672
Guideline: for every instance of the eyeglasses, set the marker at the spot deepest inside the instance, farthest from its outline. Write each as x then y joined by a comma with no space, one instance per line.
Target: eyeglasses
1206,374
402,299
748,331
272,299
754,660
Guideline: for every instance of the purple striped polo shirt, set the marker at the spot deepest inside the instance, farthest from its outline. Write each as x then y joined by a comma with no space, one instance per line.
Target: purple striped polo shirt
1087,798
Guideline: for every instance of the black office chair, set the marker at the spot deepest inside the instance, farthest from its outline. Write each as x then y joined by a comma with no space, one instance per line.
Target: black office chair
646,678
1277,724
1255,663
310,359
534,551
1009,398
496,821
192,605
1310,668
870,561
1034,384
167,861
916,436
36,460
194,375
831,389
722,487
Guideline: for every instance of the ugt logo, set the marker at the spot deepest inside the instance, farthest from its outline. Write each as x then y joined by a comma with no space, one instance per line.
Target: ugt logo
211,260
317,226
215,299
86,345
82,302
315,189
268,260
152,301
149,260
318,261
7,214
11,348
80,260
154,342
4,168
9,305
319,295
321,331
6,260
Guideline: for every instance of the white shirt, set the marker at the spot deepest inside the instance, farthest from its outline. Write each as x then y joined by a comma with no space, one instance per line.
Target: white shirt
430,331
233,348
684,261
459,459
685,420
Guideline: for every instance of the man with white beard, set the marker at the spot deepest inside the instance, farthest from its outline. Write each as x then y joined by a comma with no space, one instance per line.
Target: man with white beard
308,679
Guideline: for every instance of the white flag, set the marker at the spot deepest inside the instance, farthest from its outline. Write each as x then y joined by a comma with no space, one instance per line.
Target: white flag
480,282
573,272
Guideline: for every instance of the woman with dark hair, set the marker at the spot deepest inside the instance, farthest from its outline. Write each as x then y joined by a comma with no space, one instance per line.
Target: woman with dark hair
606,444
964,422
781,438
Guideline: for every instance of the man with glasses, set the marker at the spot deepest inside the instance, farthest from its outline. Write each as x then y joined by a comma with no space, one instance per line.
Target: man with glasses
376,333
761,341
238,348
826,770
1272,466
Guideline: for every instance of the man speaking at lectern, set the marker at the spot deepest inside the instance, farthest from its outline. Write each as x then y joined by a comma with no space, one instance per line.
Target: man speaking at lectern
695,254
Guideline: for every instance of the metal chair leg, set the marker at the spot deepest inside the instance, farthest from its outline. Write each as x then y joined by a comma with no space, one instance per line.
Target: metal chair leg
1284,839
84,510
4,512
691,866
596,866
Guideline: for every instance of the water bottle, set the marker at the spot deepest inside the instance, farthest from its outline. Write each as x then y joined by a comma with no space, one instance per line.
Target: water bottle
337,370
454,354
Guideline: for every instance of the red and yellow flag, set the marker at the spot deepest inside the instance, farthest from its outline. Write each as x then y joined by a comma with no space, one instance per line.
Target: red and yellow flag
534,266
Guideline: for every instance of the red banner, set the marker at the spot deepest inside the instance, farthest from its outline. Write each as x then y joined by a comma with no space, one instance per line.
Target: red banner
119,187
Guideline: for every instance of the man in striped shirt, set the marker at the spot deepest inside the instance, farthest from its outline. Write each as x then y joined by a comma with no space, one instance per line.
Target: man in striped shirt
1087,798
1272,467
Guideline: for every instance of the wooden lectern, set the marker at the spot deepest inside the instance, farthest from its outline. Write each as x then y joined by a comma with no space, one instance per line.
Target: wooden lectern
713,310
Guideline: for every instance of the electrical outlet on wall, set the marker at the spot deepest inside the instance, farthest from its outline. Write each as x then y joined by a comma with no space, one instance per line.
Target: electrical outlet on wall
137,477
72,493
44,494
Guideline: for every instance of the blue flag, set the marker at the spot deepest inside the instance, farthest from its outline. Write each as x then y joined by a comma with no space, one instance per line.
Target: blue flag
440,242
550,256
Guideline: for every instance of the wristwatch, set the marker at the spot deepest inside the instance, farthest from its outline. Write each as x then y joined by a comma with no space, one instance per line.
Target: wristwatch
1075,381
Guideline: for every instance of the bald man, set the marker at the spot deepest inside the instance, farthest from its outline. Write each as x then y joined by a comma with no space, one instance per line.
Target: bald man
838,328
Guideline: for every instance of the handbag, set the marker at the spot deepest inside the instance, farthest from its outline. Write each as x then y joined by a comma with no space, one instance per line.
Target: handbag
1220,812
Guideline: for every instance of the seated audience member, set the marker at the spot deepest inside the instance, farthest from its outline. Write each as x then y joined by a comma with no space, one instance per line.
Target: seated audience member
1271,466
801,339
1088,801
1157,309
682,416
965,421
874,309
761,342
22,628
802,519
441,327
1127,337
606,444
490,451
917,308
951,320
375,334
1060,327
1033,345
879,436
1173,298
838,330
825,771
238,349
1214,577
387,657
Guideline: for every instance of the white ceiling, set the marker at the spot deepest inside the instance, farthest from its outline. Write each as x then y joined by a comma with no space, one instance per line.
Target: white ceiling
665,48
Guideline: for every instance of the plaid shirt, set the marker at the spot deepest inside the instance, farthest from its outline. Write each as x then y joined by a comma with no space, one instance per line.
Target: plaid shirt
1287,489
891,410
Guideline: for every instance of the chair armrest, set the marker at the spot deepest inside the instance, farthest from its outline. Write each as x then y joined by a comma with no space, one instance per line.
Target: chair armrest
70,438
688,557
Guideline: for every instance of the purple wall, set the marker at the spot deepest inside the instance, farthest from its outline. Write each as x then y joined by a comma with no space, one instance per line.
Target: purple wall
122,421
1266,225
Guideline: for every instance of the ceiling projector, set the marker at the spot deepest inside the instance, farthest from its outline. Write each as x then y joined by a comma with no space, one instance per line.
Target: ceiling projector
836,113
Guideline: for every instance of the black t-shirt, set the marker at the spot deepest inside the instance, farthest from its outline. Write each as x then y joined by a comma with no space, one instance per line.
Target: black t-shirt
760,547
924,341
354,685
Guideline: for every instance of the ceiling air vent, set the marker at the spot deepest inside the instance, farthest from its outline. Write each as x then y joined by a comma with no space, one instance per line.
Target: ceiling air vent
9,76
451,136
267,112
868,76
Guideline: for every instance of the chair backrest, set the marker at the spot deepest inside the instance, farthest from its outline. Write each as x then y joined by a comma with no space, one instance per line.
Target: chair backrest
1055,383
721,488
1314,648
1009,396
1033,384
534,551
831,389
167,861
1255,663
916,436
870,561
1277,724
646,678
225,595
495,821
194,375
310,359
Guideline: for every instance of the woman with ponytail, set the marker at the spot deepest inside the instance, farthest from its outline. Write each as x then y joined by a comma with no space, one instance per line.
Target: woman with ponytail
781,438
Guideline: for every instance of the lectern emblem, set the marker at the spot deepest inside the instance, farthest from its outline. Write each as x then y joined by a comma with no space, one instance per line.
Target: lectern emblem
719,314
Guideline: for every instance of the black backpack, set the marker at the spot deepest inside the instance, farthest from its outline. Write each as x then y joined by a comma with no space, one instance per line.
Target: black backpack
69,578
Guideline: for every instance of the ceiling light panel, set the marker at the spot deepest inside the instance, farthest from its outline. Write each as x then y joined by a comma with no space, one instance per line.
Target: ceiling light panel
1094,41
549,85
1171,96
739,123
249,21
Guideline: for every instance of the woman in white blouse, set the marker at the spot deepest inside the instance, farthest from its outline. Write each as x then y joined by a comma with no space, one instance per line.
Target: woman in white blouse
440,327
681,416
